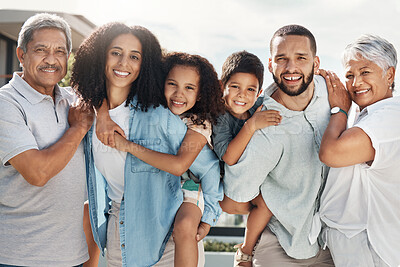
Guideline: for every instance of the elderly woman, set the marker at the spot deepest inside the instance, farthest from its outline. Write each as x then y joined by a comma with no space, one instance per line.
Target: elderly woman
360,204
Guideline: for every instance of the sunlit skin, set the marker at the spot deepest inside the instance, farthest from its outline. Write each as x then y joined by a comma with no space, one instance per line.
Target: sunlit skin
240,94
292,63
45,60
123,61
367,83
181,88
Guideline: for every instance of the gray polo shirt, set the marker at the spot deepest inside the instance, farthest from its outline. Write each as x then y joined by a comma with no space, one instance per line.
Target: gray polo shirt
283,163
39,226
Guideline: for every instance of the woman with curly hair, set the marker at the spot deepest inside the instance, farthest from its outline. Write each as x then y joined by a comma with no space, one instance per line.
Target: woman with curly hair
192,91
141,201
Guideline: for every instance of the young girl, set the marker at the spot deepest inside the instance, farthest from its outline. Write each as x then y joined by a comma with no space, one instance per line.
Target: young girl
192,91
242,77
132,205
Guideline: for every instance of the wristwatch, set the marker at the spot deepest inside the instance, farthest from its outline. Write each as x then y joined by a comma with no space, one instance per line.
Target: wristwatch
335,110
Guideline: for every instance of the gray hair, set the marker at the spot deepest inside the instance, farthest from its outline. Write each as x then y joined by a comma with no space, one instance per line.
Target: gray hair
40,21
372,48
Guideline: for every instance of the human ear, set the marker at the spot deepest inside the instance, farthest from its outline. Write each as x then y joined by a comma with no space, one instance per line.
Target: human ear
316,64
259,92
20,55
390,75
270,65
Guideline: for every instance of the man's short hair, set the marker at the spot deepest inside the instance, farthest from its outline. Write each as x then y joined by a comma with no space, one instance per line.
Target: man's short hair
294,29
41,21
242,62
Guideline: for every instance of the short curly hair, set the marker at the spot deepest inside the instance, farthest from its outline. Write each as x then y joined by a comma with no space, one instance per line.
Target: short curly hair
210,104
88,77
245,62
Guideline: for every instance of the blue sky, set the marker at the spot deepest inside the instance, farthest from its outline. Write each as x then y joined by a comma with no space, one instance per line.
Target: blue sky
217,28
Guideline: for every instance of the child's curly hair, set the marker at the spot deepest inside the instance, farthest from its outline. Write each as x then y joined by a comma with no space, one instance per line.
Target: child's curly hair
88,77
210,104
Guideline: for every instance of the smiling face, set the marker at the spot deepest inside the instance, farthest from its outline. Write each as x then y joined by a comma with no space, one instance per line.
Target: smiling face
292,63
123,62
45,60
240,94
367,83
182,88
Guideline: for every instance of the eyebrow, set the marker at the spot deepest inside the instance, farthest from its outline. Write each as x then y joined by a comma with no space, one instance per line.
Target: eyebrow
298,54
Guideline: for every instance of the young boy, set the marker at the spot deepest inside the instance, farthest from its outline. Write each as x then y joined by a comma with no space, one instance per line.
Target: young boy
242,78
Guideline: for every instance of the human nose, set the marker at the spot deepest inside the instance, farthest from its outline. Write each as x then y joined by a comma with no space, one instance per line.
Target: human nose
291,65
50,58
123,60
357,81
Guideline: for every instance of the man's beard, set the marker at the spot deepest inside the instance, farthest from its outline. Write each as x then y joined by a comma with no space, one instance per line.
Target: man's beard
306,82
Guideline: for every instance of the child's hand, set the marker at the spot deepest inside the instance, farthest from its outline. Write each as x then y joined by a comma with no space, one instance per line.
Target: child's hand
106,128
202,230
120,142
265,118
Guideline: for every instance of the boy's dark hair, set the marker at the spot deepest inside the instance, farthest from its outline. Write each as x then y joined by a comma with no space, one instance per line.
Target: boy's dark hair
210,104
242,62
88,77
294,29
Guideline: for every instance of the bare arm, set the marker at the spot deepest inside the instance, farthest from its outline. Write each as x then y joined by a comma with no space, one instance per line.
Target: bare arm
39,166
341,147
177,164
105,127
259,120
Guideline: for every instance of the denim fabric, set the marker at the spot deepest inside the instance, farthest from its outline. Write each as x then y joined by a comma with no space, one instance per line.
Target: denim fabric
151,197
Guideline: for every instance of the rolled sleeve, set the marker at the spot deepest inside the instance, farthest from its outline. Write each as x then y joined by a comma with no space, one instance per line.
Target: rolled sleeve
206,167
15,135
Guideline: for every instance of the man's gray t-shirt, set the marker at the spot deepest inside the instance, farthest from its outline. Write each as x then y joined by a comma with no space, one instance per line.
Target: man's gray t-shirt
39,226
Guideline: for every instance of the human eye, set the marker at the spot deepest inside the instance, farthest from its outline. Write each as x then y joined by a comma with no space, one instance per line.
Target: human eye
251,89
39,50
134,57
302,58
189,87
171,83
61,52
349,76
365,72
115,53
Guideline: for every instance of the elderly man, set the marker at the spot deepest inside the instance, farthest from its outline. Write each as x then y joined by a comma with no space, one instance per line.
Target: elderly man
281,162
42,184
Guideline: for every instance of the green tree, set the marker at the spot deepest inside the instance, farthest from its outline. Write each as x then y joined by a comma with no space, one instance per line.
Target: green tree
67,78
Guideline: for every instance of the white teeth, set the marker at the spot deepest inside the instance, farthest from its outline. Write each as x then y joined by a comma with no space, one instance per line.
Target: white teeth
178,103
362,91
239,103
121,73
292,78
49,70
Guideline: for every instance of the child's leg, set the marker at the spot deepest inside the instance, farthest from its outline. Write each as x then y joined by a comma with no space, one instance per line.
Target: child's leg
94,251
256,222
187,221
232,207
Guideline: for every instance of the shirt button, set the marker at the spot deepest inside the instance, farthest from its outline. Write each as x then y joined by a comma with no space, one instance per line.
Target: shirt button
123,245
121,222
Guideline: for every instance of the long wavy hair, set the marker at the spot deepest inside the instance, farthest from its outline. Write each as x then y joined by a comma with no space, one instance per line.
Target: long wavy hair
210,103
88,77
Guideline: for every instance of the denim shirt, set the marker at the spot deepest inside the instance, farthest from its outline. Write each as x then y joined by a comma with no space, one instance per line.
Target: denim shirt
151,196
283,163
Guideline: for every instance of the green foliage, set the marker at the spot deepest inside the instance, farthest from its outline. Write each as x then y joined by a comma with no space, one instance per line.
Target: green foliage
66,80
219,246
